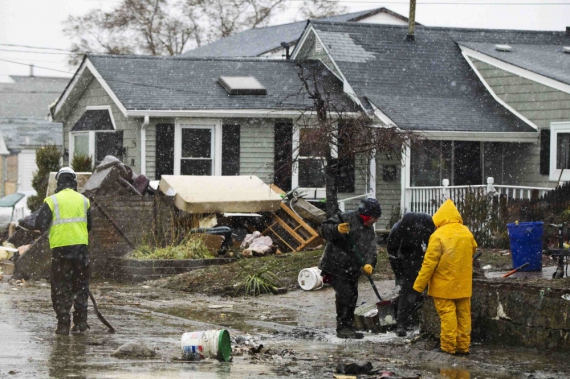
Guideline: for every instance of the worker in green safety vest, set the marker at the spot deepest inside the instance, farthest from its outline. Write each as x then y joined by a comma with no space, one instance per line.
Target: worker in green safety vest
67,216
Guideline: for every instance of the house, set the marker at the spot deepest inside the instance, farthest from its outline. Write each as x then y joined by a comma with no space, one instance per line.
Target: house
24,126
267,41
478,121
241,114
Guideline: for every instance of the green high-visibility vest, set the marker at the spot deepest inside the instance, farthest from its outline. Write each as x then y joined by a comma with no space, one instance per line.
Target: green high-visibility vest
69,223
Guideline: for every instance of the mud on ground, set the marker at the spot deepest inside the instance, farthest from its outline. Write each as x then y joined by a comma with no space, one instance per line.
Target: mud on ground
296,330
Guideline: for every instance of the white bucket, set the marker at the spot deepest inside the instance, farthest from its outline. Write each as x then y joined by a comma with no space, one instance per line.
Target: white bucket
206,344
310,279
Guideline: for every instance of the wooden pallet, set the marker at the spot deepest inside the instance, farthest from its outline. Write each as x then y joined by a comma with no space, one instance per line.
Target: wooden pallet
289,232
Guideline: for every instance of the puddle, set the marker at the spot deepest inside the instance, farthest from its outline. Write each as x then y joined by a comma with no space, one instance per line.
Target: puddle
545,273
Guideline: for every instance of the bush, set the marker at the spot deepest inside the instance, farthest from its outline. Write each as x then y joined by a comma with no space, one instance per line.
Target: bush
48,160
81,163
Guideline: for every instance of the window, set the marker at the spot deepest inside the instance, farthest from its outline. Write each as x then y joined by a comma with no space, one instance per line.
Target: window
96,144
430,163
197,151
81,144
95,135
559,151
311,159
198,147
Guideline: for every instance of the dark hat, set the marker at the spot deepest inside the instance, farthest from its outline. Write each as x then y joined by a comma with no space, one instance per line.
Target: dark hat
370,207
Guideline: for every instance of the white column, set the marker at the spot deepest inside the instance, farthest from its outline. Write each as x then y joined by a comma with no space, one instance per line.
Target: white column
405,178
143,144
372,179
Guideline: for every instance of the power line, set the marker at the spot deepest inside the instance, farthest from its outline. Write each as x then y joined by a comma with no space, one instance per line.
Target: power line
35,52
45,68
437,2
34,47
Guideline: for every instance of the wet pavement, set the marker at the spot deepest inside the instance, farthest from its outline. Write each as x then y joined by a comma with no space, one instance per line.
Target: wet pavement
296,330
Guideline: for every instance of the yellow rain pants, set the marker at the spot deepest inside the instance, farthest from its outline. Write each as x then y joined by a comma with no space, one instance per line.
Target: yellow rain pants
453,373
455,316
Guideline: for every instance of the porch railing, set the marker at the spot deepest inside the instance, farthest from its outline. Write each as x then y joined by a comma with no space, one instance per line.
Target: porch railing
429,199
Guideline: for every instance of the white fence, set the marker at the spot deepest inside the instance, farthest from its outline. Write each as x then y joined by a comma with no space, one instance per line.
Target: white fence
429,199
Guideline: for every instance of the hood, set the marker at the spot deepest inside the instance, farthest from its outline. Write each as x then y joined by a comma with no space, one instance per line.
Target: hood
447,214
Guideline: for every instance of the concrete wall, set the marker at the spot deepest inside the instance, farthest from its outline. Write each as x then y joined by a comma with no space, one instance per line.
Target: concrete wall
511,312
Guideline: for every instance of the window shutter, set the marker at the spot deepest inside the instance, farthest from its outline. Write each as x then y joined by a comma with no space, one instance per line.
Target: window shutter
346,161
164,158
544,152
108,143
230,149
282,166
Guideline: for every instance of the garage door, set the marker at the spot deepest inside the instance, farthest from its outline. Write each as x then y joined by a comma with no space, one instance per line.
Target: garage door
26,168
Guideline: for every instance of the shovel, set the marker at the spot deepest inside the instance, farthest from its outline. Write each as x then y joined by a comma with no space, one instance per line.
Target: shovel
99,315
515,270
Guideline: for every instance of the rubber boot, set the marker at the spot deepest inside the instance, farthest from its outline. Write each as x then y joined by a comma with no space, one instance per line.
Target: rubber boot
80,322
63,322
348,333
401,331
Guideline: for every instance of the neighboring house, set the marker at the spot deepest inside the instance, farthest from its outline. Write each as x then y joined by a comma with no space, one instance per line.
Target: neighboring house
175,116
266,41
432,86
24,126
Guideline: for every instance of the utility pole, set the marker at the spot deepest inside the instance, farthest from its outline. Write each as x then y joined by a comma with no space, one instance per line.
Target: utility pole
412,22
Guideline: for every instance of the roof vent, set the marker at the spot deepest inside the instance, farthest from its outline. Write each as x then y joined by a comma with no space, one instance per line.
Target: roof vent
242,85
503,48
566,49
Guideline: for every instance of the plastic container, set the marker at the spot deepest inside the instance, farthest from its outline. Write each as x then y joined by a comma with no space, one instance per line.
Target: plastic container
526,245
310,279
206,344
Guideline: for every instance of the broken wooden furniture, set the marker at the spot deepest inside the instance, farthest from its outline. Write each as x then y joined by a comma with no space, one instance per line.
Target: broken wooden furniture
290,232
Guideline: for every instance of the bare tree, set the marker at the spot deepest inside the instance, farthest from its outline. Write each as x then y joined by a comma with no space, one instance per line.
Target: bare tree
168,27
335,131
134,27
319,8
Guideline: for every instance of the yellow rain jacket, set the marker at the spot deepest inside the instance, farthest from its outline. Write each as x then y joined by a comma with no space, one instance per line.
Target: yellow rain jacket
448,261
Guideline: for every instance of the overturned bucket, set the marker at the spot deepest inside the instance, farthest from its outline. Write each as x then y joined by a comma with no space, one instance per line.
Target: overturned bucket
310,279
206,344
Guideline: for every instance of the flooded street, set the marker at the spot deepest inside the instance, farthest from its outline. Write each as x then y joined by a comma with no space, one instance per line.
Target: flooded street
296,330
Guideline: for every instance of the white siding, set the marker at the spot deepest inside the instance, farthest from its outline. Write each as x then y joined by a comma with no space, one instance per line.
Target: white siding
26,168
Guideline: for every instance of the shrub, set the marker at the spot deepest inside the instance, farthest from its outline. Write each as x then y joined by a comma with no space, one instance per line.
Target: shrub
48,160
81,163
256,281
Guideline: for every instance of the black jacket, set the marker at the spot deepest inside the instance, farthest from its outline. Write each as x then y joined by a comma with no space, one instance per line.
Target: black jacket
407,236
339,258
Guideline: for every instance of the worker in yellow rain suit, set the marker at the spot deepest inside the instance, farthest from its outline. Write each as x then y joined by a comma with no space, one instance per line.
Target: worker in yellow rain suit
448,268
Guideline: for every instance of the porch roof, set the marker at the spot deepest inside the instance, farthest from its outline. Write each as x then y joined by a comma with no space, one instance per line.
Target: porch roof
426,85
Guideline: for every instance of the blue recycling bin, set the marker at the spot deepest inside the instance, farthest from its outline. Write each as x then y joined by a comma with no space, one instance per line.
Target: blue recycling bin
526,245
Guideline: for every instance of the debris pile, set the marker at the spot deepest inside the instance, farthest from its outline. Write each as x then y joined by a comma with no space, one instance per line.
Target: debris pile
230,214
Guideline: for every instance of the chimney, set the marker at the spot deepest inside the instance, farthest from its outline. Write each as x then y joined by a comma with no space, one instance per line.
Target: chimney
412,22
31,71
568,31
286,46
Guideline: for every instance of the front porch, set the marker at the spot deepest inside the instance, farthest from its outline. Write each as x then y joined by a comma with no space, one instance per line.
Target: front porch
435,170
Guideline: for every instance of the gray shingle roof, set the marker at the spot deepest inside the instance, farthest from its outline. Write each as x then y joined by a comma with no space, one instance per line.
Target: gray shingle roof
545,59
22,133
254,42
171,83
29,96
426,85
